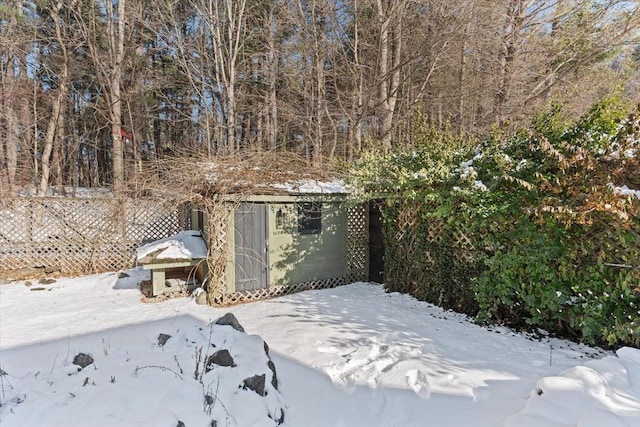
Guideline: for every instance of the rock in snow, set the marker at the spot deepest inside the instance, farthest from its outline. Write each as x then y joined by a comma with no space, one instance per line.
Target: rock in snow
185,361
162,339
255,383
83,360
230,320
219,358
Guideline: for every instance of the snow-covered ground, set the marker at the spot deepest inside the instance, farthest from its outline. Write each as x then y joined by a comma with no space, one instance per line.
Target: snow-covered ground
350,356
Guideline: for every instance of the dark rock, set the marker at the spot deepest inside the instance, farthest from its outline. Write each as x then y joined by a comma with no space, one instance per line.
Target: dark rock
220,358
48,281
83,360
230,320
255,383
122,275
274,378
27,283
180,424
38,289
162,339
266,348
209,399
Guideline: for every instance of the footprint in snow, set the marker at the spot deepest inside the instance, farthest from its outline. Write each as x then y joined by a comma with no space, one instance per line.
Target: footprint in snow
417,380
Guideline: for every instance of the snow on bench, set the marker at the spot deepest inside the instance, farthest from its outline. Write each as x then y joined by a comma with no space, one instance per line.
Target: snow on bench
166,257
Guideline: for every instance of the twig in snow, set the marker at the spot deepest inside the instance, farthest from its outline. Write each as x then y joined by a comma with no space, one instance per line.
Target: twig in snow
162,368
54,363
178,363
196,373
4,374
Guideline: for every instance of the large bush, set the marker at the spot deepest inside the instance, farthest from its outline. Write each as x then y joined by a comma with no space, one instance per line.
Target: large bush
529,230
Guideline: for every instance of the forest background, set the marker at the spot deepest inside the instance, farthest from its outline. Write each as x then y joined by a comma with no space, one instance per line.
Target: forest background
96,93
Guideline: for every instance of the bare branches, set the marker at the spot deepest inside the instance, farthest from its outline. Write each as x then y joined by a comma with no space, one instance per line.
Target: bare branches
97,93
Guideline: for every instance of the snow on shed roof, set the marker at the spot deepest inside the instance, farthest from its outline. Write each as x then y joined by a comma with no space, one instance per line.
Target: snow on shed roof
311,186
262,174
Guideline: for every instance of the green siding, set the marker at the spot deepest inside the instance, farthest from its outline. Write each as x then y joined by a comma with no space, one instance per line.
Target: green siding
296,258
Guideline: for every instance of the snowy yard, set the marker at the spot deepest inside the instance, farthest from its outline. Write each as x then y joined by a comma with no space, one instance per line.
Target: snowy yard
350,356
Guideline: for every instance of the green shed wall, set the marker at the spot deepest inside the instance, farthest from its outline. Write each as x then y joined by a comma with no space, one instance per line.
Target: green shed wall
295,257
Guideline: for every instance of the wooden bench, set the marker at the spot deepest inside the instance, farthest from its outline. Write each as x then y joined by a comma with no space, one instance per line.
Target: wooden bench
162,272
174,261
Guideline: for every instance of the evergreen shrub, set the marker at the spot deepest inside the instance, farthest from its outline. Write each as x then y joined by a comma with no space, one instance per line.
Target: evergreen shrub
526,230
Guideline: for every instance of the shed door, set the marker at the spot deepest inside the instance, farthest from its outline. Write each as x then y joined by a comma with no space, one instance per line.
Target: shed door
251,247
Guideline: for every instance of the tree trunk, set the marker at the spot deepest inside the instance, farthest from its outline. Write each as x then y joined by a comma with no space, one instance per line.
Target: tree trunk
462,79
55,120
10,86
115,28
272,81
389,61
510,34
354,144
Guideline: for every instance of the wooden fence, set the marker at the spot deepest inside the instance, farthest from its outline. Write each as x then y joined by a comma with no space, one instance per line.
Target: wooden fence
76,236
82,235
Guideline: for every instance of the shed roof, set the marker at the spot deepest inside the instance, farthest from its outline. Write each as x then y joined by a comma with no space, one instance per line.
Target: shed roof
311,186
269,174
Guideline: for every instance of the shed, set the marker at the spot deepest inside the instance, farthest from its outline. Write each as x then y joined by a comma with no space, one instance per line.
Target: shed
283,238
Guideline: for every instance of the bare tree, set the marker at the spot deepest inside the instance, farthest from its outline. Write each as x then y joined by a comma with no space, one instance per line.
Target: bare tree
390,19
10,73
226,24
55,126
115,47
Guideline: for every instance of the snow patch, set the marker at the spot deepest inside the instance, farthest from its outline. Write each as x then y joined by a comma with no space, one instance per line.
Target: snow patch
309,186
598,393
348,356
624,190
182,246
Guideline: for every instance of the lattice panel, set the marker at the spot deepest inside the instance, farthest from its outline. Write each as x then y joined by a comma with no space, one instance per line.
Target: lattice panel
260,294
73,220
218,217
465,247
76,236
147,223
357,243
14,220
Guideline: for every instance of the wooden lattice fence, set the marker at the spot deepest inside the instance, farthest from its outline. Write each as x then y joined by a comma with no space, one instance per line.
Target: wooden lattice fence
357,244
428,258
81,236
